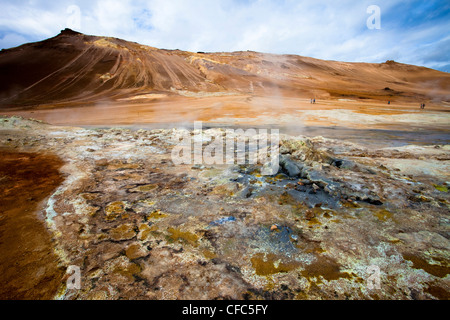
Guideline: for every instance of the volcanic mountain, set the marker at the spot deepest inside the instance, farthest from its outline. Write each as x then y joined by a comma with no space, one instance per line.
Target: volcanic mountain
73,68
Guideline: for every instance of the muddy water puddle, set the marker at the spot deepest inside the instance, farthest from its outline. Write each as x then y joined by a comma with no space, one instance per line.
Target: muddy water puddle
28,267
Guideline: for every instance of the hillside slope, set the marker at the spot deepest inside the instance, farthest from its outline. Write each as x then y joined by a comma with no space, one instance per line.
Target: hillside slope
77,68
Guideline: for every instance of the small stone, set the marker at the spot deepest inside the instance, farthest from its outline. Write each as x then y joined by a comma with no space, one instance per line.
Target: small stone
96,274
136,251
114,209
123,232
289,166
441,188
273,227
420,198
145,188
98,295
309,214
101,162
92,211
156,214
144,232
246,192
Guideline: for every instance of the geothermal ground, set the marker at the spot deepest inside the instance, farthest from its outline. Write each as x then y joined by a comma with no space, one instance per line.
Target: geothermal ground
87,177
112,202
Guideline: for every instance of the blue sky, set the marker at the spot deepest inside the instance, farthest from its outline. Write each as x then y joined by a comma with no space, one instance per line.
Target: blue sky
415,32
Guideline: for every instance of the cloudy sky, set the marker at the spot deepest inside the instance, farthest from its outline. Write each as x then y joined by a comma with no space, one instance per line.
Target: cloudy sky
415,32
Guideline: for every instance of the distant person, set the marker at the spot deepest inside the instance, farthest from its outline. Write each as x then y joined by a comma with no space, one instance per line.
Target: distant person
314,100
311,101
423,106
389,102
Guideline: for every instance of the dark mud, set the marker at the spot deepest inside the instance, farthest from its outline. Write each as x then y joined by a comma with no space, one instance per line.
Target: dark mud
28,267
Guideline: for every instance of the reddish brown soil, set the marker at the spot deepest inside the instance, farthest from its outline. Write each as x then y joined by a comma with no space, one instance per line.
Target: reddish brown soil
28,266
73,69
77,79
239,109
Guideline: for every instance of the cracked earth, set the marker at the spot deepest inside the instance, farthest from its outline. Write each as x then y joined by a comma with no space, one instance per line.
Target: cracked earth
112,202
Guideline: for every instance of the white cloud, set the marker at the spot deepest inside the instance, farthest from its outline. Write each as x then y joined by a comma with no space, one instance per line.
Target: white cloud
322,29
9,38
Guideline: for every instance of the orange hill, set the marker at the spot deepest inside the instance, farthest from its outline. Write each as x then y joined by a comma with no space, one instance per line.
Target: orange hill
77,68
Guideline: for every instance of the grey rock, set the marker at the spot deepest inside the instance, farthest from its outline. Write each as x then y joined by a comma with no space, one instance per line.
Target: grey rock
245,193
289,166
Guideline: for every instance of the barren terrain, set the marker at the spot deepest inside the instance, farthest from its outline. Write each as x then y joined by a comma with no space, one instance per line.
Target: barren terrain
140,227
87,176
